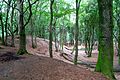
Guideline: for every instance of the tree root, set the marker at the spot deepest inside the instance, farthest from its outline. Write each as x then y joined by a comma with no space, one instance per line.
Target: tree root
22,51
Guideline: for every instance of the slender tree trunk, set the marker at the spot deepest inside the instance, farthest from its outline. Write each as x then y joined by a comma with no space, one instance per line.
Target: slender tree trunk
36,41
3,41
22,45
6,22
77,31
86,44
63,31
50,34
56,43
12,30
32,33
105,58
60,38
91,42
31,24
86,39
55,34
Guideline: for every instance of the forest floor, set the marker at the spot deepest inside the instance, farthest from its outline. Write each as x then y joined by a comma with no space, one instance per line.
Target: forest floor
40,67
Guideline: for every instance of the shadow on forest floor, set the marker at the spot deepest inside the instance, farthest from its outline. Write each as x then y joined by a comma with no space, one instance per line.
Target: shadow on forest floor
9,56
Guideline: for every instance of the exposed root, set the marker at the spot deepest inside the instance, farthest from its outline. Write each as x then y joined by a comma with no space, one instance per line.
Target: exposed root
22,51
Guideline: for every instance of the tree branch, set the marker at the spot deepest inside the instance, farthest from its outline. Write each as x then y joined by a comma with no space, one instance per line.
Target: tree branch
30,10
79,4
12,5
31,5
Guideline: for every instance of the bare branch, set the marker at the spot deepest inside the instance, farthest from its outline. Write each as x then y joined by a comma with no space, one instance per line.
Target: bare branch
30,10
79,4
12,5
114,17
30,4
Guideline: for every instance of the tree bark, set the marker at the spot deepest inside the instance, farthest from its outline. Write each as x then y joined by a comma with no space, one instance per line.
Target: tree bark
22,45
6,22
105,58
55,35
50,28
32,33
3,41
77,31
12,29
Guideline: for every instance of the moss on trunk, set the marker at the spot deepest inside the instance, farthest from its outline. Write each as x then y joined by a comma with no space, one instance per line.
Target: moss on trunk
105,58
22,51
22,45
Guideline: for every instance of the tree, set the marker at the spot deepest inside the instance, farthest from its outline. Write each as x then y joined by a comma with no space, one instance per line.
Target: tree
50,28
105,58
12,31
22,45
1,20
32,33
6,22
77,31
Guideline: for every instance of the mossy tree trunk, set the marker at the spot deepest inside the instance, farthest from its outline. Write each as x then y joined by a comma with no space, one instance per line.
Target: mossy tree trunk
50,28
105,58
22,46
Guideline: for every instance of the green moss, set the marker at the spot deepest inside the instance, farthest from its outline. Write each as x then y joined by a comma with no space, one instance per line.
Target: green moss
22,51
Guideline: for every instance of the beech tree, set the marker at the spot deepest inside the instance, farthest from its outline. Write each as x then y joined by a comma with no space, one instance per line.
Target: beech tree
105,58
22,45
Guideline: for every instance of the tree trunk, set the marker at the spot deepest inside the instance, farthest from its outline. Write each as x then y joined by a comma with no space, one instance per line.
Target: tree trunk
12,29
22,45
61,38
32,33
3,41
50,29
55,35
6,22
105,58
76,31
91,42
